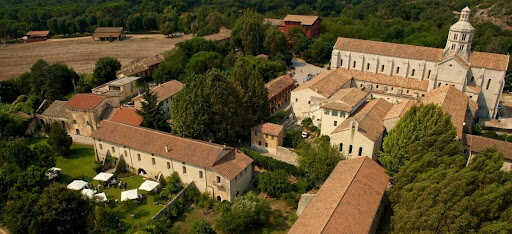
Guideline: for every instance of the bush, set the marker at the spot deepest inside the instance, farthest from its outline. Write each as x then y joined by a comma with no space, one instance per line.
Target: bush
192,194
278,117
120,167
274,183
304,184
202,227
205,201
290,198
292,138
59,140
273,164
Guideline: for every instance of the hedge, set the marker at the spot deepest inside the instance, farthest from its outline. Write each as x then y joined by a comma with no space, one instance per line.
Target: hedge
273,164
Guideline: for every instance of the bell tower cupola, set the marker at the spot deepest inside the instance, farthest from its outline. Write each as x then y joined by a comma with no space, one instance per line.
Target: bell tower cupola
460,37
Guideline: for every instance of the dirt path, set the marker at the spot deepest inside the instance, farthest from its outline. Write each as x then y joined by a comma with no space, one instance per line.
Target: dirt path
81,53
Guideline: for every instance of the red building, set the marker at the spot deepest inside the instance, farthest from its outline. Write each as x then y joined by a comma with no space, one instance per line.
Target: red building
279,90
33,36
310,24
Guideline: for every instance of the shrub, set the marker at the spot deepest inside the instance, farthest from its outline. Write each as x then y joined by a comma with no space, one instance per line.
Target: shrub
274,183
303,185
59,139
205,201
273,164
192,194
292,138
202,227
120,167
290,198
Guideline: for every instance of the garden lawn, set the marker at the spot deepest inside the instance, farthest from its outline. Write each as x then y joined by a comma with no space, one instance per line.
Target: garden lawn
79,164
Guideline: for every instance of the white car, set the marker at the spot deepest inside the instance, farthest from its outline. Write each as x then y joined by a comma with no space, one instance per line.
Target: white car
305,134
53,173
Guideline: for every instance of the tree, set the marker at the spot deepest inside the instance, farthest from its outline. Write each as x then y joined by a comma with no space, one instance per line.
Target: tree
318,159
17,153
173,67
274,183
203,61
106,220
418,123
169,21
105,69
212,25
246,213
59,139
247,34
20,216
60,210
202,227
152,113
276,43
320,50
300,43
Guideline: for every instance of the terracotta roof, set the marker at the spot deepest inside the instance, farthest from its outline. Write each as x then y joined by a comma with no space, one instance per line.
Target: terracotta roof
275,22
345,99
165,90
477,59
398,110
57,110
303,19
478,144
279,84
397,81
38,33
223,160
270,128
126,115
369,119
108,31
452,102
141,65
326,83
348,201
85,101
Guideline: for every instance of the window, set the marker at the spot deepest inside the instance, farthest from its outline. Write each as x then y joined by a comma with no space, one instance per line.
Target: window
255,132
259,143
201,174
361,85
377,86
153,161
360,151
488,84
354,65
439,85
266,135
397,70
341,146
101,146
184,170
266,144
309,102
296,100
407,91
455,36
113,149
461,47
138,157
428,76
453,46
382,68
326,112
413,71
87,123
464,37
335,123
341,62
472,78
74,121
350,149
168,165
368,66
218,179
334,113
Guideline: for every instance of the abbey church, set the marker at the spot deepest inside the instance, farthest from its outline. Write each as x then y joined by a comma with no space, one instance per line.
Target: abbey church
481,76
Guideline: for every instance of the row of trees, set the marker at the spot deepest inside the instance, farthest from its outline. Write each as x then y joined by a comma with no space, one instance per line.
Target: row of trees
433,190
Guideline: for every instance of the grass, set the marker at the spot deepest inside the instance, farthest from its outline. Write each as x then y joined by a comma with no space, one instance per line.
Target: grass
79,164
193,215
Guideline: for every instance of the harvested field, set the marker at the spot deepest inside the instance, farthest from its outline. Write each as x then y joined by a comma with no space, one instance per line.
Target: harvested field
81,53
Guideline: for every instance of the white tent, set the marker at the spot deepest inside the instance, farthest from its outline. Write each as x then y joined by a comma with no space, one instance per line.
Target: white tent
129,195
89,193
148,185
103,176
101,197
77,185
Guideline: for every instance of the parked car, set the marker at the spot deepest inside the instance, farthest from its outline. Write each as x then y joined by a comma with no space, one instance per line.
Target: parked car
305,134
53,173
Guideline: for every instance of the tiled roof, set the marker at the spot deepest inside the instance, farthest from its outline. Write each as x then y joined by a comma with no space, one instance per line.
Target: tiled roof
348,201
126,115
270,128
165,90
473,89
57,110
369,119
345,99
398,110
478,144
452,102
275,22
140,65
278,84
108,32
477,59
383,79
326,83
303,19
85,101
38,33
226,161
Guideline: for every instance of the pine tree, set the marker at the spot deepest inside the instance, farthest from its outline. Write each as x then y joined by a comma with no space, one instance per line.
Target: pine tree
152,114
247,33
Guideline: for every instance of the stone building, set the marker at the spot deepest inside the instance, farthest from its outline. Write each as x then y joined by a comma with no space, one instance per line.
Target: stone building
267,137
279,90
122,88
33,36
340,106
310,24
142,67
164,93
481,76
108,33
224,172
349,201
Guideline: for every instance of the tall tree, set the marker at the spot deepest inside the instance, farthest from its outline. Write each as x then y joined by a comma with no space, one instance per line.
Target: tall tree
59,139
247,34
105,69
152,113
318,159
276,44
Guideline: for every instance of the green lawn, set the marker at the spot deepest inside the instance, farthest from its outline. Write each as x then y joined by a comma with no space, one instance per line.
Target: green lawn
79,164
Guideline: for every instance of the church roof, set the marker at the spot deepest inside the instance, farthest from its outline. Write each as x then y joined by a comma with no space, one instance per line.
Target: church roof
492,61
326,83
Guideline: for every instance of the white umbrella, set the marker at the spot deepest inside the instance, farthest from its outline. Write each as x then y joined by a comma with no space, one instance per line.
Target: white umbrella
77,185
101,197
129,195
103,176
148,185
89,193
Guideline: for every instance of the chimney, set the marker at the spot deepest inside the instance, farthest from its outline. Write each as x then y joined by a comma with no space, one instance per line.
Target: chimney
167,148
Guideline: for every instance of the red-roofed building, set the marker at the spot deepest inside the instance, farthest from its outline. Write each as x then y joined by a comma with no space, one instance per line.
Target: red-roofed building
126,115
267,137
279,91
33,36
310,24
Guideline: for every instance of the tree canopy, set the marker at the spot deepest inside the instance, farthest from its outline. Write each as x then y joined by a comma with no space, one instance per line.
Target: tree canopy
105,69
247,34
318,159
151,111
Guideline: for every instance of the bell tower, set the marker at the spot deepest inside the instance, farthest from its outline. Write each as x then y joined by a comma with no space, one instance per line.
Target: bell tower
460,37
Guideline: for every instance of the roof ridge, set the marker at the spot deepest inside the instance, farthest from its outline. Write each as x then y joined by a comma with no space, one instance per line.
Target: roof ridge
344,192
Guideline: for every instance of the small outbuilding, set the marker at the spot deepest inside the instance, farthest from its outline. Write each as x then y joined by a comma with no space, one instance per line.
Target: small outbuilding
33,36
129,195
149,185
108,34
77,185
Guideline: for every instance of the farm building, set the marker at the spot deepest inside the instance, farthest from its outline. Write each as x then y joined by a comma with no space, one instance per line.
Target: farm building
142,67
33,36
310,24
108,33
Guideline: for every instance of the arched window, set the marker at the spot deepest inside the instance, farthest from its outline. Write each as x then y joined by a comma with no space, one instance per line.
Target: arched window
341,146
382,68
350,149
463,36
354,66
368,66
428,76
219,198
413,71
397,70
455,36
341,62
461,47
360,151
453,46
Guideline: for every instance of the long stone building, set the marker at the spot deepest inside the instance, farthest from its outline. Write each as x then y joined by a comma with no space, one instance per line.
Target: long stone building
224,172
480,75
